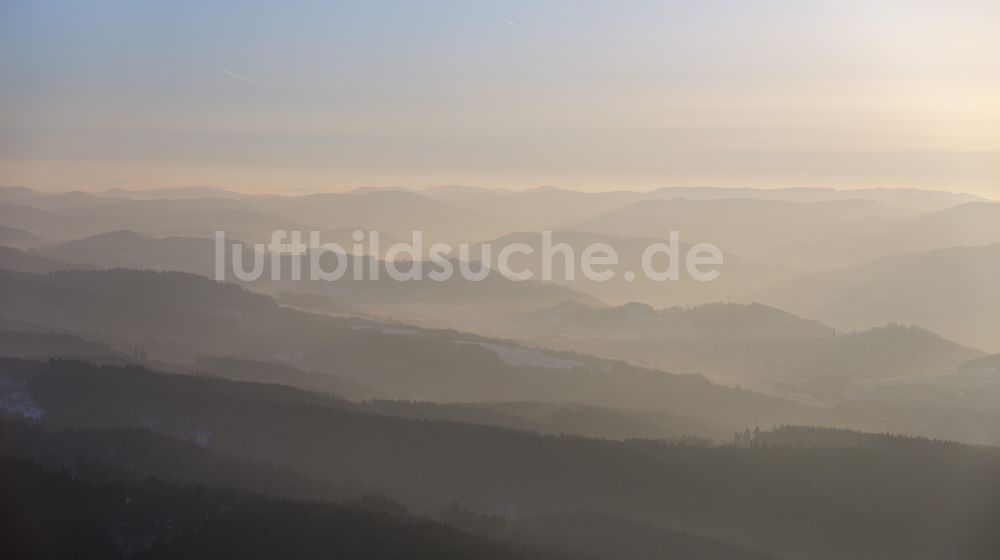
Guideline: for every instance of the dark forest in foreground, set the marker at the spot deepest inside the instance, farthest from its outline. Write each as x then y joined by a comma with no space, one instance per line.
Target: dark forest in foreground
789,493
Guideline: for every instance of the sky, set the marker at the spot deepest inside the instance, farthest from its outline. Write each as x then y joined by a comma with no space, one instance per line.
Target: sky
590,95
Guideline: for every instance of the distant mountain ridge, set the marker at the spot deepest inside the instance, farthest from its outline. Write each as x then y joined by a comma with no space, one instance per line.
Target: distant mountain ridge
950,291
127,249
637,320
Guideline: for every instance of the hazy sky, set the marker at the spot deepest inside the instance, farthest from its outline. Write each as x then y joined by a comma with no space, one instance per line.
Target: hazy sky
576,93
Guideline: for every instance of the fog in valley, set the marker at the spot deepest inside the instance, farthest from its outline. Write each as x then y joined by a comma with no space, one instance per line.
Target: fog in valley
793,407
550,280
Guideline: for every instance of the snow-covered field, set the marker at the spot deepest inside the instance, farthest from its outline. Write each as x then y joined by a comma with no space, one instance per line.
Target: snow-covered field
526,357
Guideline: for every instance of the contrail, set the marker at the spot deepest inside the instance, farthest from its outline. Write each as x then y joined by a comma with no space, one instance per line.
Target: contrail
248,80
512,23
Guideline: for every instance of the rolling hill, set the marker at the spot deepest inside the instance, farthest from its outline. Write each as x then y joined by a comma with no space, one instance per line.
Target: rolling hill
702,490
950,291
197,317
746,227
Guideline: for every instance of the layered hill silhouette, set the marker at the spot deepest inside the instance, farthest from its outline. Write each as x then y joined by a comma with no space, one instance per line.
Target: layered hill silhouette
127,249
197,317
738,277
748,343
142,474
637,320
969,224
202,213
950,291
18,238
554,208
709,491
745,227
55,515
24,261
